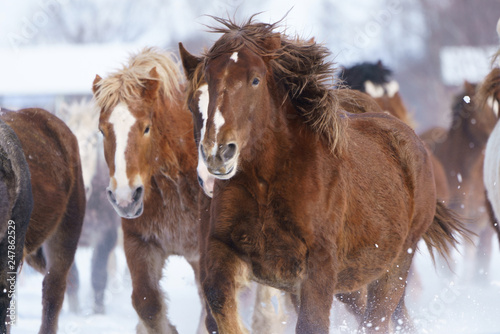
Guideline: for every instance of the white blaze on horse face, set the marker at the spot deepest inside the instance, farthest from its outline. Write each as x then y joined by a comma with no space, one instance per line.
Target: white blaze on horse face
373,90
218,122
203,108
493,104
392,88
122,121
234,57
205,176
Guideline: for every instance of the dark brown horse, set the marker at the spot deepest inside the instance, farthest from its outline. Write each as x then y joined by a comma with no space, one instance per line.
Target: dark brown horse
16,204
461,151
51,151
374,79
309,200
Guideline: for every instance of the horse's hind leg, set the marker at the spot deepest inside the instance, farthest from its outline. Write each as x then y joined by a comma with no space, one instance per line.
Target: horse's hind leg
60,251
355,303
270,310
100,257
73,285
386,300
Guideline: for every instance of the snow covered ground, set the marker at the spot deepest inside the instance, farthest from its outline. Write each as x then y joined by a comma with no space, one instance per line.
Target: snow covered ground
439,306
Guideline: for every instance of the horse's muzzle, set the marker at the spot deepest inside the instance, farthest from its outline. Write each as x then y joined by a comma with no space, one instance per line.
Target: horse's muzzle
129,208
222,164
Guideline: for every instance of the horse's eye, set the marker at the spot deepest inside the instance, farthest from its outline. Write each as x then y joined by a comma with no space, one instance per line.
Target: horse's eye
102,132
146,131
255,81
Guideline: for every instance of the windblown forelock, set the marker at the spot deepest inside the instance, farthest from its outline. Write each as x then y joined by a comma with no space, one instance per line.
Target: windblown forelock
299,66
126,85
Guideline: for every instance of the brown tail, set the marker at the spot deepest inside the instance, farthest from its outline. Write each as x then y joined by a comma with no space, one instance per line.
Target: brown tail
444,231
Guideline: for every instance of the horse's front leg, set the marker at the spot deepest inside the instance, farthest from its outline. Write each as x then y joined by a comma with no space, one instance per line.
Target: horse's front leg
316,295
145,262
220,287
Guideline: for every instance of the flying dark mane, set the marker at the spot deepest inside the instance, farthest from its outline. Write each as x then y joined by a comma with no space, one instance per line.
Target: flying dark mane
300,68
356,76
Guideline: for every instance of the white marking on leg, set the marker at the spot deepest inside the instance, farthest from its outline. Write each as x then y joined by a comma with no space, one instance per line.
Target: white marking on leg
392,88
234,57
122,121
373,90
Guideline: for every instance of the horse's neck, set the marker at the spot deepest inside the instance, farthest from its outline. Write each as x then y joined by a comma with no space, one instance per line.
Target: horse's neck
176,152
472,132
276,147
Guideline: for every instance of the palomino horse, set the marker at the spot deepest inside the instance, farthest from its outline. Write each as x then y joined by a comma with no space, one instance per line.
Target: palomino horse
100,226
16,204
374,79
309,200
151,155
51,151
489,93
461,151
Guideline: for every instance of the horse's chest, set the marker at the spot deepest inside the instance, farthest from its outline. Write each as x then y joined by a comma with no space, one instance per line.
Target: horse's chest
269,239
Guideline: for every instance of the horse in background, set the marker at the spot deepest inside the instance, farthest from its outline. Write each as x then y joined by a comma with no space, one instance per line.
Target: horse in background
374,80
100,226
55,225
489,93
16,204
461,152
308,199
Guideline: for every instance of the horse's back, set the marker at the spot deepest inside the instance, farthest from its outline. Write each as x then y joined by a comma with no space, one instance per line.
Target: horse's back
51,151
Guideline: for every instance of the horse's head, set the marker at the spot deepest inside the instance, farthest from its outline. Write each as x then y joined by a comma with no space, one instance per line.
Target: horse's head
374,80
228,103
126,129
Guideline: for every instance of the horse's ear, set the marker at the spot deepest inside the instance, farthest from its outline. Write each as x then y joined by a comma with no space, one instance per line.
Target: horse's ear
469,88
189,62
95,84
150,86
272,43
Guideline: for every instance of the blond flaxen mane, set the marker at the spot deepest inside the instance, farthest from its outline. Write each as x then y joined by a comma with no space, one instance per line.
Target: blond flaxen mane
126,85
300,67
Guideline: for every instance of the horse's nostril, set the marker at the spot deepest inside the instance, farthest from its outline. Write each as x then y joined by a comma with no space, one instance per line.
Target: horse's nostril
137,193
200,181
111,196
229,151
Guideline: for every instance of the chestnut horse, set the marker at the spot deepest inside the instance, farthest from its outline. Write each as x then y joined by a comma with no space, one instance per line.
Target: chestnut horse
374,80
51,151
308,199
151,155
16,204
489,93
461,151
